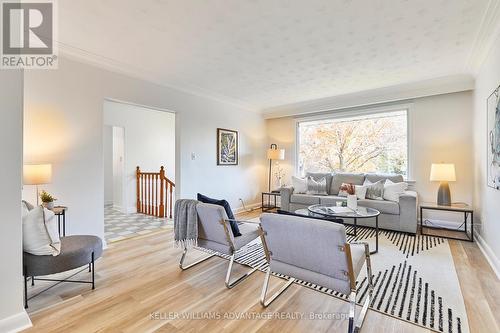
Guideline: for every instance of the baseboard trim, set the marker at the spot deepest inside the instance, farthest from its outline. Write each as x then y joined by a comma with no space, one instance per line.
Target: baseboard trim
248,207
16,323
488,254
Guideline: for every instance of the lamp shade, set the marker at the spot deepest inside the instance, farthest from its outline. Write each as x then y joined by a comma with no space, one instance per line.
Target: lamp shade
276,154
443,172
37,174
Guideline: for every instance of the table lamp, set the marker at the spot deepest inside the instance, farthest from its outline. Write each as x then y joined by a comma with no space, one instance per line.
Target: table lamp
273,153
37,174
443,173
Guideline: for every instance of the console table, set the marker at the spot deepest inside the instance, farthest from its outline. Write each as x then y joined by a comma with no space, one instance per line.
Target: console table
464,209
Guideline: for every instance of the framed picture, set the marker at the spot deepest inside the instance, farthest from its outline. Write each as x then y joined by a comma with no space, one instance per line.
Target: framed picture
227,147
493,126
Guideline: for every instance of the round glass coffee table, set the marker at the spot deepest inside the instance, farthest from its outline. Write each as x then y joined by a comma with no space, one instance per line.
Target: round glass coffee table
333,213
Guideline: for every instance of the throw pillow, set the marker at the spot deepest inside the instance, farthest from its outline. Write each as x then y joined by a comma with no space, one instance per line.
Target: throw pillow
316,187
374,191
40,234
392,190
299,184
234,226
343,190
361,192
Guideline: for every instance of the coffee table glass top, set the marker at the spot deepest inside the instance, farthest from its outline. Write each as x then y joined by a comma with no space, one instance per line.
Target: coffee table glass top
336,211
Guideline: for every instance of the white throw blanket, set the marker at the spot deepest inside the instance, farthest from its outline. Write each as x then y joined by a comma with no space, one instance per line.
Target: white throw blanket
186,223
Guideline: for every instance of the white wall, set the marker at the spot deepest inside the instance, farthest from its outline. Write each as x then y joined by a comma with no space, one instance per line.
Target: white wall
440,129
486,199
118,158
149,143
107,139
12,315
64,121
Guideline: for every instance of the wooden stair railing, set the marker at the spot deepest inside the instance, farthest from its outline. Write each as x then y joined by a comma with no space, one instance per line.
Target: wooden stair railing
154,193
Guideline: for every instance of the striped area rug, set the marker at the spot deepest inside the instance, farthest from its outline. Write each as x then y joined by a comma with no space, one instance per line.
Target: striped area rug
414,277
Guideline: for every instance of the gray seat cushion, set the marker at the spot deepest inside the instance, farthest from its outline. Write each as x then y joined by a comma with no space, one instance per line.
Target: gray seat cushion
76,251
349,178
375,177
383,206
305,199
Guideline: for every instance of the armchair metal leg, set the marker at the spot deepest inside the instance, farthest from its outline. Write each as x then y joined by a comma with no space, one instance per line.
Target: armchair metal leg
181,263
352,298
265,303
229,284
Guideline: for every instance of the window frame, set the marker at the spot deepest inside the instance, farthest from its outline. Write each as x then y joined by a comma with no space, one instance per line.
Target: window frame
357,112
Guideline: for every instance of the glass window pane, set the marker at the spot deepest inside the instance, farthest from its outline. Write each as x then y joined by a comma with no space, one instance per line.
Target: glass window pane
369,143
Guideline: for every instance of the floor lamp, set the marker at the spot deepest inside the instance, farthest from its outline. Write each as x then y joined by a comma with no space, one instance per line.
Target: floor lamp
37,174
273,153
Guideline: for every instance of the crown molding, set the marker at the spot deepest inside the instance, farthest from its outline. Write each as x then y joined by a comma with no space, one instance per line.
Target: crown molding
489,29
86,57
430,87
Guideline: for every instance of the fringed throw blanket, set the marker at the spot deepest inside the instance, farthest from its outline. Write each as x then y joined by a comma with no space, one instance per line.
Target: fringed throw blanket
186,223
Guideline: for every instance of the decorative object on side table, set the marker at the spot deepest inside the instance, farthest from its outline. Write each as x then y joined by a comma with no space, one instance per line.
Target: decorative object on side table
37,174
443,173
493,126
459,208
268,205
273,153
47,200
227,147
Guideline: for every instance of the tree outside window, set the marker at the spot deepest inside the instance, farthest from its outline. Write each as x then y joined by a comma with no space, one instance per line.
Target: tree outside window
369,143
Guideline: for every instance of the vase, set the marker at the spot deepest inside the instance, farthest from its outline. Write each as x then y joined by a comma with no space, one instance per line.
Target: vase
352,201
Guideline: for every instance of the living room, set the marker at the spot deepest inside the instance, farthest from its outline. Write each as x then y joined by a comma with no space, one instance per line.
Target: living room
272,105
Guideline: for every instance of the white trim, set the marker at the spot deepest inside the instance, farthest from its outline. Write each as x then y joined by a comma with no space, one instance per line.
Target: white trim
153,108
488,253
248,207
15,323
485,38
96,60
391,94
356,112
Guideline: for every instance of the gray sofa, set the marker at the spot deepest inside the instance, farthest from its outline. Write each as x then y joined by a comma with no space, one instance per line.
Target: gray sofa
400,216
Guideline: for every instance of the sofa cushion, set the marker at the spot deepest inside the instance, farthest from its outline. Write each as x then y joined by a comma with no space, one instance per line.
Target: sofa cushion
349,178
318,175
305,199
384,207
375,177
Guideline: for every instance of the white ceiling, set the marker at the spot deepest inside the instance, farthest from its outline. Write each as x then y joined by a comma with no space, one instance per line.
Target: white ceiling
266,53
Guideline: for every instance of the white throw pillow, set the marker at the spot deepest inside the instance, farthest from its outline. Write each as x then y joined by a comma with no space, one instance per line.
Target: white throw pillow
299,184
392,190
40,234
360,192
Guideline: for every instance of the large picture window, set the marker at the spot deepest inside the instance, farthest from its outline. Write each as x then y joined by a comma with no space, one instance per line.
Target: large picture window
376,142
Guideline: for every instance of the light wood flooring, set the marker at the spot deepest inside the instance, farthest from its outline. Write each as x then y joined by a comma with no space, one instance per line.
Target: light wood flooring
140,288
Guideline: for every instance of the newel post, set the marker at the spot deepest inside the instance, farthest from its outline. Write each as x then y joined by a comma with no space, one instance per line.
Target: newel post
138,189
161,212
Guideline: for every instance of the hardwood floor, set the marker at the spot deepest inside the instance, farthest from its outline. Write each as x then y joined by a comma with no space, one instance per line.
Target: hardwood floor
140,288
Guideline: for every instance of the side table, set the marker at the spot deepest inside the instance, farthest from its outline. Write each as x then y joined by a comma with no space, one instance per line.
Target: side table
268,205
60,212
458,208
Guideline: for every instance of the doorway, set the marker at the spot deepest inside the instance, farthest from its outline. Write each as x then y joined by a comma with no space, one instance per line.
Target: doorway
134,136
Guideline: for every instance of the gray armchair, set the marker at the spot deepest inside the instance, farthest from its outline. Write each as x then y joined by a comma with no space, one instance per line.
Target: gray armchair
315,251
214,233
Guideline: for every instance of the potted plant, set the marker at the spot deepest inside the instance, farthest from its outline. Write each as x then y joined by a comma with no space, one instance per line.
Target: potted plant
47,200
352,200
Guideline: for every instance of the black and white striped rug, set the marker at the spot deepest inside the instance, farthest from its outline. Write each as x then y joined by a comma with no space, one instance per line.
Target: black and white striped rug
414,277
